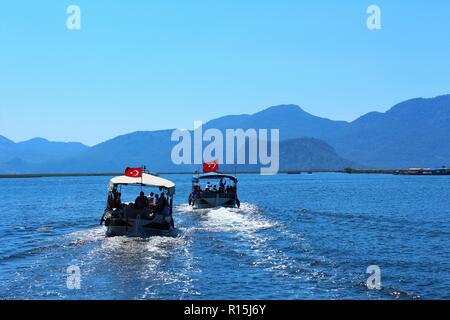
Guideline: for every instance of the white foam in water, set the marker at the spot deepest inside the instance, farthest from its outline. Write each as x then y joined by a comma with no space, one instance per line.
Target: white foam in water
87,236
44,229
247,221
160,246
244,219
184,208
150,249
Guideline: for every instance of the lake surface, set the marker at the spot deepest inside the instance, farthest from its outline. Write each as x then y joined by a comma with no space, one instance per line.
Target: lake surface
295,237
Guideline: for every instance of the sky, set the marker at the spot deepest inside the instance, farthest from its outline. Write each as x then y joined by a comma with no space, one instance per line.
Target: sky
158,64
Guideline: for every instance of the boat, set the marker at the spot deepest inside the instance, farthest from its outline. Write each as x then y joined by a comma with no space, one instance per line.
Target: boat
222,193
141,218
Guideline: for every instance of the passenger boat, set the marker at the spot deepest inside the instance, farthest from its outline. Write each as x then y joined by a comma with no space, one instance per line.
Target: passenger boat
221,193
148,215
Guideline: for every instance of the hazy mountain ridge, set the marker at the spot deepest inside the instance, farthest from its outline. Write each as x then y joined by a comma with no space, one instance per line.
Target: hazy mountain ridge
412,133
37,150
291,120
295,154
408,135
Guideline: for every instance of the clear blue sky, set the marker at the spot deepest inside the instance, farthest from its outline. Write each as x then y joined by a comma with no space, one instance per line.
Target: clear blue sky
146,65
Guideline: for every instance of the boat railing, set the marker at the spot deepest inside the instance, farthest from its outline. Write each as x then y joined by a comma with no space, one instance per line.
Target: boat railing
131,211
217,193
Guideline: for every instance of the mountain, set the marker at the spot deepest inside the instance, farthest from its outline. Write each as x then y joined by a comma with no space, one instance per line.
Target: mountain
411,134
18,166
143,147
154,150
5,141
311,154
38,150
302,154
291,120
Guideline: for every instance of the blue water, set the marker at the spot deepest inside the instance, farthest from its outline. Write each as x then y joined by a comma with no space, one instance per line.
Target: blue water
295,237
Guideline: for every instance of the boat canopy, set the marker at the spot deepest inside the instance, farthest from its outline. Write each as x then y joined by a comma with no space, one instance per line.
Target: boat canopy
146,180
217,176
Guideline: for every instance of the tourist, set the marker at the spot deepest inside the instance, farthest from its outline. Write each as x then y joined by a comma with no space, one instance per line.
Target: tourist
151,201
110,201
141,201
162,199
118,200
162,203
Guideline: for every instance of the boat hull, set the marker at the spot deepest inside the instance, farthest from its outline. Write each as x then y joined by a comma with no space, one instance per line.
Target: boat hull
137,227
207,202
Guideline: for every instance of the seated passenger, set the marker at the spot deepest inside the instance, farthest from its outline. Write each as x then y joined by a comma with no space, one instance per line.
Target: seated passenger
208,187
161,203
118,201
141,202
215,188
110,202
162,199
151,201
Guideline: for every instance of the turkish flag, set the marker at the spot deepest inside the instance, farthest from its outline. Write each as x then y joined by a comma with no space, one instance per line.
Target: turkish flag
133,172
211,166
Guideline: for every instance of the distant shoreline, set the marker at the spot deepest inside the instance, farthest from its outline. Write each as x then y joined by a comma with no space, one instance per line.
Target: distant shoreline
113,174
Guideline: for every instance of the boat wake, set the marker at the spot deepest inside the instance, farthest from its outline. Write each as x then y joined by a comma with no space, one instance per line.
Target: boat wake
245,231
82,237
131,246
246,219
148,262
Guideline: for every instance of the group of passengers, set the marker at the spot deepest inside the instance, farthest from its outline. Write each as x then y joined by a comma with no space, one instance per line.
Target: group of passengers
223,188
115,200
156,203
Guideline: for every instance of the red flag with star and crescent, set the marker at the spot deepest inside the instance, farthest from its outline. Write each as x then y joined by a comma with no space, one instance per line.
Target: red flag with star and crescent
133,172
211,166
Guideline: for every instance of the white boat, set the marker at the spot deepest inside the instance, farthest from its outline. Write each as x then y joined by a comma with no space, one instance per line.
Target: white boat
131,219
221,193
